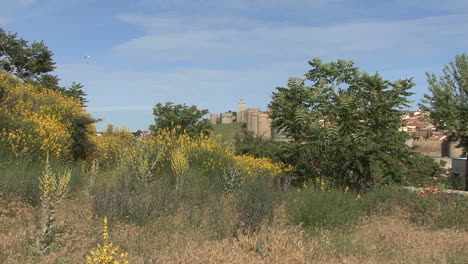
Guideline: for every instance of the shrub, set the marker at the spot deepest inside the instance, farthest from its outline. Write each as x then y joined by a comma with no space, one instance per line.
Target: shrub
385,199
439,210
428,206
248,144
255,204
423,170
43,121
456,181
324,209
139,203
112,201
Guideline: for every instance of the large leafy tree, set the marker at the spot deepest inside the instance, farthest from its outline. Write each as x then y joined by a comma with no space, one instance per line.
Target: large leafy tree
345,124
180,117
448,102
28,61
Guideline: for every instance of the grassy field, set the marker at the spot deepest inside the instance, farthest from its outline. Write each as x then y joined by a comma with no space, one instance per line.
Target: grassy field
201,232
208,205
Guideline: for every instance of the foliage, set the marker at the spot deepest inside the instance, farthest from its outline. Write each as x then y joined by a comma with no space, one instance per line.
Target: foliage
186,118
20,178
345,125
111,146
160,172
448,102
76,91
53,190
255,204
32,63
314,208
39,121
26,61
423,170
425,205
179,165
246,143
106,253
171,149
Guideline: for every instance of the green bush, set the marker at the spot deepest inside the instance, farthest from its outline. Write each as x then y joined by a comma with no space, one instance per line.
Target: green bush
139,203
247,143
324,209
385,199
255,203
457,181
420,169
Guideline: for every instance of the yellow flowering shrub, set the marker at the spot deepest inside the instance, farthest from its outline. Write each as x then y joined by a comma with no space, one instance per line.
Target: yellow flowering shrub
106,253
37,120
253,166
111,147
174,151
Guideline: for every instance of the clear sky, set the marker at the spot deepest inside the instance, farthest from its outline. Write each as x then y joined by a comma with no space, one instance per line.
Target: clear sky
212,53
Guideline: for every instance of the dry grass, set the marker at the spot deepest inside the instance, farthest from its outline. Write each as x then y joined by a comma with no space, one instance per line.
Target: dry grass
376,239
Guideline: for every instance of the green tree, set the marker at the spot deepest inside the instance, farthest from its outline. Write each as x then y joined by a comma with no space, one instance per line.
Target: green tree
76,91
27,61
181,117
345,124
448,102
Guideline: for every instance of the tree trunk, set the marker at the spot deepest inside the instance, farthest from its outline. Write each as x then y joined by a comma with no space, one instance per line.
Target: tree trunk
466,173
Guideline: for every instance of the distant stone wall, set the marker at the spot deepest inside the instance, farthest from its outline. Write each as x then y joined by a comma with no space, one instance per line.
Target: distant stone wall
264,125
227,118
431,148
214,119
436,148
251,120
257,122
241,116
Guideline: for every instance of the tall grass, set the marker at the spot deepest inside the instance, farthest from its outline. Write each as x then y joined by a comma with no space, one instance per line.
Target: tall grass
21,178
324,209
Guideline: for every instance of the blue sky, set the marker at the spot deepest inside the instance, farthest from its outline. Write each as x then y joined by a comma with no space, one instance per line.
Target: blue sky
212,53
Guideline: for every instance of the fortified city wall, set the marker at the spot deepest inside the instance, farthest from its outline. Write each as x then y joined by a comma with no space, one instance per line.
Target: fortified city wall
258,122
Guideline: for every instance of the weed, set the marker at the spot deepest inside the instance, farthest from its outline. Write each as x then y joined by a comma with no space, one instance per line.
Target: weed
106,253
53,190
324,209
255,203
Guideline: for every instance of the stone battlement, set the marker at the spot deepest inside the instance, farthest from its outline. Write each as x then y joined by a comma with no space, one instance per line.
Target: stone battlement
258,122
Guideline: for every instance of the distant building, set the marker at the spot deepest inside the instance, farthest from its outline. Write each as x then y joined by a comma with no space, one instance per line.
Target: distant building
258,122
214,119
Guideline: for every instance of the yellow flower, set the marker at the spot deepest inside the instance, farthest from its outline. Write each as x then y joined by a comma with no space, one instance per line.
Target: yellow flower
106,253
